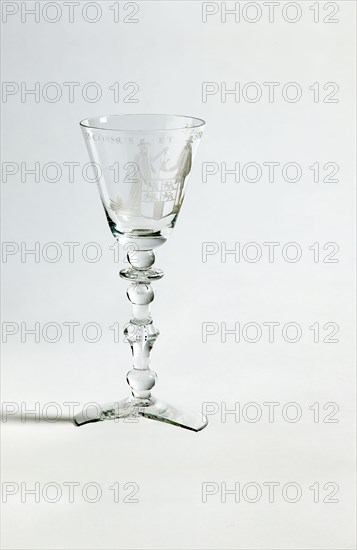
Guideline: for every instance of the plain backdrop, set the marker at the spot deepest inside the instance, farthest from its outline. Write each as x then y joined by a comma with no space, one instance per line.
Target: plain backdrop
169,53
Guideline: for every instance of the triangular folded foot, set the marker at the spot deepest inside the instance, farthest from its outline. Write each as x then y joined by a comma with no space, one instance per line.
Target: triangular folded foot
152,408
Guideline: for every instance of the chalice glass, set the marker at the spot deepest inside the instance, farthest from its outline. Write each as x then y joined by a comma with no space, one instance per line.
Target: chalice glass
143,163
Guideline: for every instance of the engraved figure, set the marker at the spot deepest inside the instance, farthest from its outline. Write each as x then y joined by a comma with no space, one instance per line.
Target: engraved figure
160,192
183,168
144,174
144,183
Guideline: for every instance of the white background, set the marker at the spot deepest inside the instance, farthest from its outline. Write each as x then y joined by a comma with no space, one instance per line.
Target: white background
169,53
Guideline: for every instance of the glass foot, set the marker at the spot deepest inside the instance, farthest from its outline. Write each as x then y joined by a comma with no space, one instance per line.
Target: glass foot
152,408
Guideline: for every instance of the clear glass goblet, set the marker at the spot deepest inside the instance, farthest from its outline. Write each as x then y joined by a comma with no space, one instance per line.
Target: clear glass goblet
142,163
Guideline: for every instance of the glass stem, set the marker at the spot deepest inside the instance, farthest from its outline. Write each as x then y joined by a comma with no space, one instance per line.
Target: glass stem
140,332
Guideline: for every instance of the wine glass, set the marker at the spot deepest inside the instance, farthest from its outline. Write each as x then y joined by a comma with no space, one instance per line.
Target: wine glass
142,163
